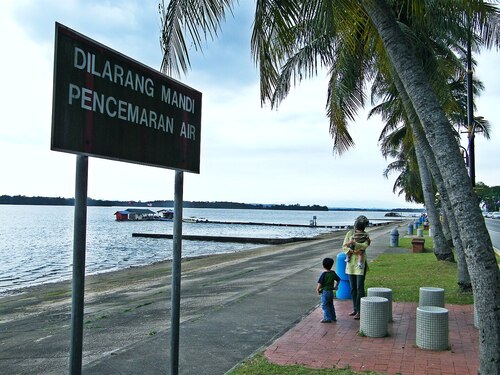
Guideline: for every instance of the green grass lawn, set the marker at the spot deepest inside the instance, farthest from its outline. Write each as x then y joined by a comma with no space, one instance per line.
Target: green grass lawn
258,365
404,274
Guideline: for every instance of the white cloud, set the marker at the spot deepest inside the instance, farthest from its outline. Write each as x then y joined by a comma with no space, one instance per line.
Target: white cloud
487,152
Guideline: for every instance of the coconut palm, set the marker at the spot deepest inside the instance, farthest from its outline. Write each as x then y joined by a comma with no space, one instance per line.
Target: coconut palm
387,110
440,137
407,182
441,65
414,179
323,32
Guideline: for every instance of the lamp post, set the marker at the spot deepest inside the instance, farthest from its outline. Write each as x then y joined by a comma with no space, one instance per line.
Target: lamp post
470,114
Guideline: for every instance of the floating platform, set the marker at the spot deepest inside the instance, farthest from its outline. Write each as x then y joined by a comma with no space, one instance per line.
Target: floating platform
264,241
278,224
346,226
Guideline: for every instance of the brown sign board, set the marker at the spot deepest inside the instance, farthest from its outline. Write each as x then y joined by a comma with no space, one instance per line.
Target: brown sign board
110,106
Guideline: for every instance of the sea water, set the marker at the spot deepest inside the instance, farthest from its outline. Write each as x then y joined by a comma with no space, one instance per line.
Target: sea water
36,242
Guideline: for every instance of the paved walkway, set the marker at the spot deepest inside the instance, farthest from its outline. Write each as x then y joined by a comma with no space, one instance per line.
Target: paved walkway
318,345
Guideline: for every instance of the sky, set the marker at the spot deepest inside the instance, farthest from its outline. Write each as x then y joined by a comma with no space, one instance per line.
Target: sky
249,153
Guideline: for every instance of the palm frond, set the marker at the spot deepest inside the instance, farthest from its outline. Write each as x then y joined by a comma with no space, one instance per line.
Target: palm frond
200,20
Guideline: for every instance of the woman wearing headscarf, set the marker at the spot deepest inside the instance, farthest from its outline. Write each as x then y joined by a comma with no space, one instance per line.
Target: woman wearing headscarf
355,244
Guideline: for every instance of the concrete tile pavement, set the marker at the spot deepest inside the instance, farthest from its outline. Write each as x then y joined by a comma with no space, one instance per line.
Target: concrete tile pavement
316,345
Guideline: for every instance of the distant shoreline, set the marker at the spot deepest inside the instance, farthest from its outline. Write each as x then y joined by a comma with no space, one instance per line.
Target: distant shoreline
60,201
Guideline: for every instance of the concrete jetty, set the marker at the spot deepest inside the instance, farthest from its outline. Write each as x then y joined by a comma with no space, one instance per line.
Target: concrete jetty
255,240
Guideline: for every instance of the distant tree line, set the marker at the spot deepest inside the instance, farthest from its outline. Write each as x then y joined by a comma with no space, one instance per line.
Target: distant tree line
41,201
59,201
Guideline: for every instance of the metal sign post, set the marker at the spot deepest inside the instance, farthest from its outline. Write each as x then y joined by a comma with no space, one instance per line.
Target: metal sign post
79,246
176,273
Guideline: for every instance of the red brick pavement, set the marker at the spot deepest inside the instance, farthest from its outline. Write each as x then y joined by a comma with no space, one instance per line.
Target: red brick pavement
319,345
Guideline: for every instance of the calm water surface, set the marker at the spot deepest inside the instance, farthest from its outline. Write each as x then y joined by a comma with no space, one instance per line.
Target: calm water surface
36,242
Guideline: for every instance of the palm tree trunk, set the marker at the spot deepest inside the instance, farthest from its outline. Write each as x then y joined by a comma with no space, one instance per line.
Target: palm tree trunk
481,262
423,150
442,250
446,227
463,276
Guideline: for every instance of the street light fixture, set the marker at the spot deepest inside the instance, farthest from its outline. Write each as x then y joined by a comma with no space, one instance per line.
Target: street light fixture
465,155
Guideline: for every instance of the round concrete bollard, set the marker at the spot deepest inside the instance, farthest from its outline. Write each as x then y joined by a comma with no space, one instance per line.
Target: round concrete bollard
432,328
373,316
420,232
394,237
410,229
430,296
386,293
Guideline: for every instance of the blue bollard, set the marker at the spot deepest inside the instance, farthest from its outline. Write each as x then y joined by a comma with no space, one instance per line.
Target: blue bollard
394,237
344,290
340,266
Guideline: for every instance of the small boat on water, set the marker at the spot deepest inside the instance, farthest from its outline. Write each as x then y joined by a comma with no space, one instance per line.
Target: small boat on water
393,214
135,214
144,214
166,214
193,219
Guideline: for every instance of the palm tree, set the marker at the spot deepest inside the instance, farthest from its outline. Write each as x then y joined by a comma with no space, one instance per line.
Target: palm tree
415,180
481,262
321,31
407,182
391,112
440,64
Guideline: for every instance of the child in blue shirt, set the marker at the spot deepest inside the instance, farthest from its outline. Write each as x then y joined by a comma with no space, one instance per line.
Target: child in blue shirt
327,283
